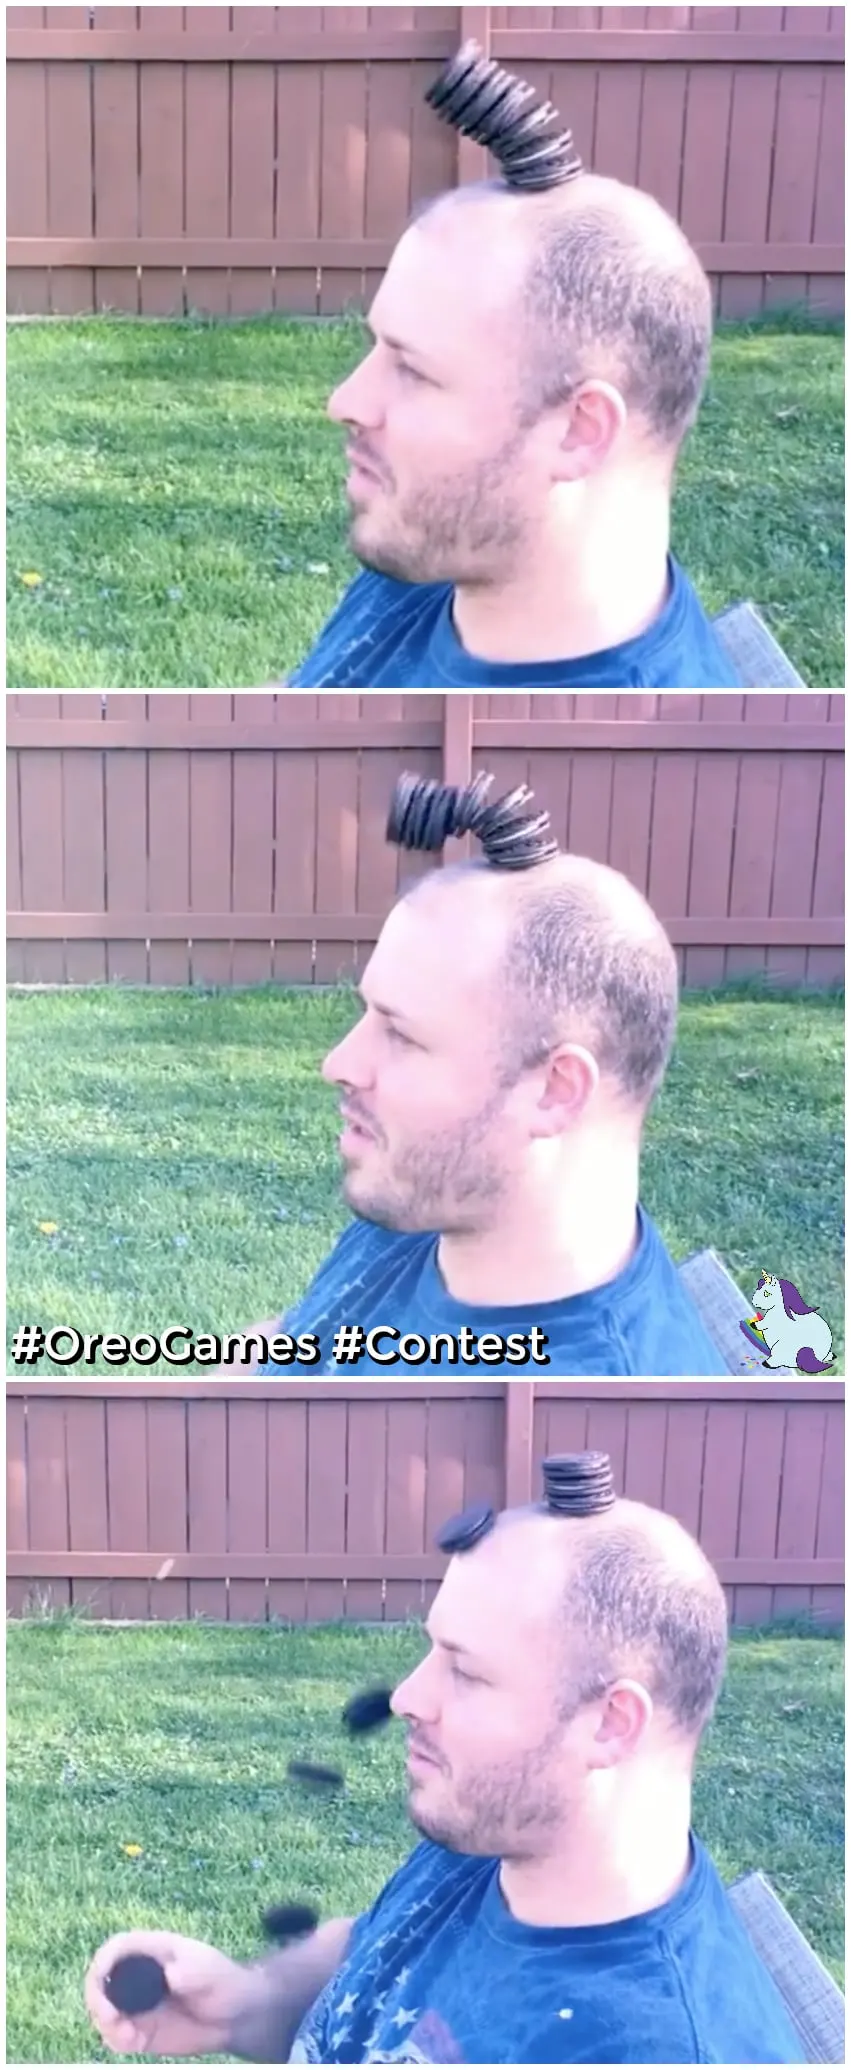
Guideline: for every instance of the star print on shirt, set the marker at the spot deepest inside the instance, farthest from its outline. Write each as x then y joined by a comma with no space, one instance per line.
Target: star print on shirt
403,2018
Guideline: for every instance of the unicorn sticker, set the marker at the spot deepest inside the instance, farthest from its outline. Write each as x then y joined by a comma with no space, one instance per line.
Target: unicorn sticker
794,1335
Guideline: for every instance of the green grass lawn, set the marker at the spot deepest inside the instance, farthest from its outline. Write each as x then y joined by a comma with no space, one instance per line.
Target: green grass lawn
178,488
184,1147
175,1739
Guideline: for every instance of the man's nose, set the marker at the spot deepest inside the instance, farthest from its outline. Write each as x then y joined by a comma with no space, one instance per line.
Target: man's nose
355,401
347,1064
410,1699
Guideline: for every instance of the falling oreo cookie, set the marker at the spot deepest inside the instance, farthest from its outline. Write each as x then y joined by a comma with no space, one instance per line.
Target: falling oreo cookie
368,1711
136,1984
315,1775
465,1530
289,1922
578,1484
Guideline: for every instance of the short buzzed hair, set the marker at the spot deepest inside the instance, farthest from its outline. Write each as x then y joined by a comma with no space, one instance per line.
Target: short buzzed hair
571,966
613,290
630,1608
639,1600
585,960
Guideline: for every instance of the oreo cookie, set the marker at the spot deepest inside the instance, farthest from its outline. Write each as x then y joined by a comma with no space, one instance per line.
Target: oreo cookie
465,1529
289,1922
136,1984
315,1775
368,1711
578,1484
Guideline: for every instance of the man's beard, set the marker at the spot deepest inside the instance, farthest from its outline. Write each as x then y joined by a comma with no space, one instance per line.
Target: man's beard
449,1182
509,1810
464,529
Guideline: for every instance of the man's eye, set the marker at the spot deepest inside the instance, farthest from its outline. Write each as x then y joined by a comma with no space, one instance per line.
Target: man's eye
411,372
460,1675
397,1036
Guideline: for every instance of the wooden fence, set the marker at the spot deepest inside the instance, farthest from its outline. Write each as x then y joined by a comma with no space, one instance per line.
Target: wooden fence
164,159
313,1500
216,839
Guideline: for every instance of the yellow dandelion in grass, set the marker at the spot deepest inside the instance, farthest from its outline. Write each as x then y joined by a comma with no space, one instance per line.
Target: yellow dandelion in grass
132,1848
31,580
49,1228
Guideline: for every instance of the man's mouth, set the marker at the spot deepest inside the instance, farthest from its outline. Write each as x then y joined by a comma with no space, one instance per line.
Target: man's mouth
417,1757
360,465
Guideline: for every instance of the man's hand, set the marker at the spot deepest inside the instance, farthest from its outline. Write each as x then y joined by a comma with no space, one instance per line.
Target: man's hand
216,2006
208,1995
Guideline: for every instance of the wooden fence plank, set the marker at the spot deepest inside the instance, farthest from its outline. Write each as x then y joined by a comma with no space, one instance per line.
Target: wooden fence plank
406,1496
207,1500
336,857
247,1501
128,1474
252,849
47,1486
287,1500
168,1512
42,836
116,145
366,1484
210,809
254,170
326,1501
126,860
168,854
161,166
85,1453
207,89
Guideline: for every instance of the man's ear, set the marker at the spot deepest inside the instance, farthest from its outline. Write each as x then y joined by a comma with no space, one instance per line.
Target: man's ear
624,1719
573,1076
595,418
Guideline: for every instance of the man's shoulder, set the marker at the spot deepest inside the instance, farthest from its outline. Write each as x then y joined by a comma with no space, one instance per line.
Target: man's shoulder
694,657
663,1332
428,1872
378,622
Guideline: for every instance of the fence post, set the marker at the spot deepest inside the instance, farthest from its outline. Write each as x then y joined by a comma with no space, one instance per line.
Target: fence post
519,1434
458,738
472,157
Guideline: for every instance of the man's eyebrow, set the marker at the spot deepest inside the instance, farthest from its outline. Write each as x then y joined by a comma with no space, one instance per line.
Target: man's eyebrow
389,1013
397,345
450,1645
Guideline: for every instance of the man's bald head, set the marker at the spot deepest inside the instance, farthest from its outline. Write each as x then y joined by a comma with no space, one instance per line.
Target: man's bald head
626,1593
578,955
600,283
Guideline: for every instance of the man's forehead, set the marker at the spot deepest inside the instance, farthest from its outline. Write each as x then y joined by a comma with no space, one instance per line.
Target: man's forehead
430,944
446,282
524,1569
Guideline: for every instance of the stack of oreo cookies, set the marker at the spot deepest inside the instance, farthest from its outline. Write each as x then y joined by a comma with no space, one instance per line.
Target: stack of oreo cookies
578,1484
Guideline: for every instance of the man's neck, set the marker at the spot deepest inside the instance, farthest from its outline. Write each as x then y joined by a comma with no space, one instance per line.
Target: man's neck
566,1231
579,588
610,1867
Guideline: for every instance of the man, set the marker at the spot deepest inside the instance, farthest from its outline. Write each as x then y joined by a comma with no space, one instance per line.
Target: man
538,361
559,1908
517,1026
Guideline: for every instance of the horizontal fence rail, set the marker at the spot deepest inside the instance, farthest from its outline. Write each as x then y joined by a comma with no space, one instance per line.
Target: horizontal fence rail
311,1501
234,160
218,838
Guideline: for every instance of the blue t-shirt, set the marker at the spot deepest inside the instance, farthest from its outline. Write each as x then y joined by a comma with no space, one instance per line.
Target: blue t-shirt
643,1322
439,1971
400,635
